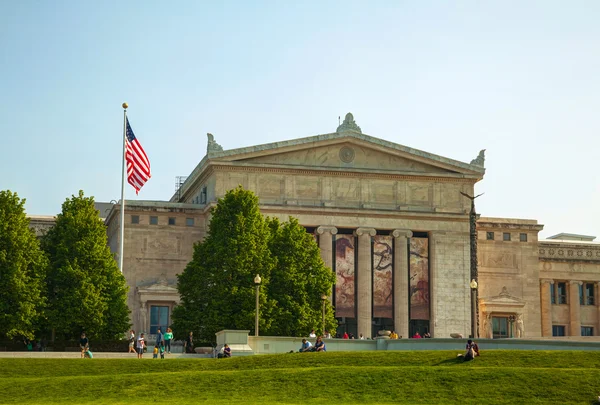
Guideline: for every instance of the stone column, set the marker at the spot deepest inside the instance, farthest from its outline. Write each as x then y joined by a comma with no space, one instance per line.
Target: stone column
364,275
326,243
401,316
574,308
546,306
435,254
597,302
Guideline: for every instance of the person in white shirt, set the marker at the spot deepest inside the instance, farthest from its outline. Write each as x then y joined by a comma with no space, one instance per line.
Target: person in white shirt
312,334
361,337
140,346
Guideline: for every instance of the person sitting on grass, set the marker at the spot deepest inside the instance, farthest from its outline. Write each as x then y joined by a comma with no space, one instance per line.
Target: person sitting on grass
470,353
226,350
306,346
319,345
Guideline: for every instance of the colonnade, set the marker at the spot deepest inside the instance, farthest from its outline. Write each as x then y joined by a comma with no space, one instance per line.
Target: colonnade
364,270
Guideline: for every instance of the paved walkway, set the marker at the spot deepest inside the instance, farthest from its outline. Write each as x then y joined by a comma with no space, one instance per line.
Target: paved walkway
97,355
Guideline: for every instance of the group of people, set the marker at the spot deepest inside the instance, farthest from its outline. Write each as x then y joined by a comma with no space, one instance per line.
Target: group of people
162,345
319,346
418,336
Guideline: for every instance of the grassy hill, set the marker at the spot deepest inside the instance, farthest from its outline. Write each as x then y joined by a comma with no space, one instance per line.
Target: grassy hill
436,377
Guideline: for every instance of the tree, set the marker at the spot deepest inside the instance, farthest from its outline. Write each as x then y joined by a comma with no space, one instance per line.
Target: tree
22,268
298,282
216,288
86,290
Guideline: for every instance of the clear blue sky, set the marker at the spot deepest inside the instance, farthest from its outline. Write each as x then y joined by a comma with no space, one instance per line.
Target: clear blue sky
521,79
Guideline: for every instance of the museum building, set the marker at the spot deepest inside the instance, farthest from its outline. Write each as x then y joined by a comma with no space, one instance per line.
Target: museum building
392,222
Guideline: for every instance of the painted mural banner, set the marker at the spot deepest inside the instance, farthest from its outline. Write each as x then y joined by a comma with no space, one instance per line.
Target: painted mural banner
419,278
345,275
383,259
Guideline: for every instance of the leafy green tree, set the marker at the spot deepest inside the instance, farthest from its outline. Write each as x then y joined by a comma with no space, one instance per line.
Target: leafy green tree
216,288
298,282
86,290
22,268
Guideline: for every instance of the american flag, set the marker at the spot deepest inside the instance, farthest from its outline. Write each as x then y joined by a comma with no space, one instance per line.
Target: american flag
138,165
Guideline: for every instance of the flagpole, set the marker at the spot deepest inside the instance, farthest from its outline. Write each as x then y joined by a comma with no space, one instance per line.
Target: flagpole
122,227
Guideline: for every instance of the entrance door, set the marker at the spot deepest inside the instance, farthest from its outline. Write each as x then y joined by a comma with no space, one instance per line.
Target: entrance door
499,327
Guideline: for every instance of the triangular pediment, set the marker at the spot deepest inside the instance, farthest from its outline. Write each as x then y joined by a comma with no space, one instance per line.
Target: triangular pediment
349,150
346,155
503,299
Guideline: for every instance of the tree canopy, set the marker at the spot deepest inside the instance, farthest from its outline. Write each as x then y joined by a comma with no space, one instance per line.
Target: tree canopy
22,268
217,287
86,290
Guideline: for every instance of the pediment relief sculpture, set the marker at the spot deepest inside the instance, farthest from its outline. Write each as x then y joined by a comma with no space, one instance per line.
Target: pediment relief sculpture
504,298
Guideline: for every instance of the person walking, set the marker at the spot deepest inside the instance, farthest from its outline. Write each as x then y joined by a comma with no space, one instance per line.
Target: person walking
131,341
168,337
189,343
140,346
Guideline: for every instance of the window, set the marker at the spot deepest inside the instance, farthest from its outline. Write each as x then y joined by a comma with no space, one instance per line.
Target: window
189,221
159,318
500,327
562,293
552,293
135,219
523,237
558,330
171,220
506,236
153,220
581,295
489,235
203,195
589,294
587,331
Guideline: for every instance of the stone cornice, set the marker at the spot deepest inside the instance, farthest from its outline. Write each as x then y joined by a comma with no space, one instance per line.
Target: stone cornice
293,210
492,226
342,172
569,252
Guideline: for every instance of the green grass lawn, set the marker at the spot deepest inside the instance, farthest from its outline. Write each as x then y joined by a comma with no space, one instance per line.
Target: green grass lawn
419,377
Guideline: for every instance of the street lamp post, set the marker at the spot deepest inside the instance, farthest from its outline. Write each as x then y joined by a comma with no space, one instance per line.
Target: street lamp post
323,299
257,281
474,314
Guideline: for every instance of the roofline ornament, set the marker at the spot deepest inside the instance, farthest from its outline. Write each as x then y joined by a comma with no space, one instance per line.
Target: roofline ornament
212,145
349,125
480,159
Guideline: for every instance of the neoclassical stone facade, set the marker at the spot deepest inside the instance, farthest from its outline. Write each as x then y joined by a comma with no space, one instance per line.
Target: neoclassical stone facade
390,222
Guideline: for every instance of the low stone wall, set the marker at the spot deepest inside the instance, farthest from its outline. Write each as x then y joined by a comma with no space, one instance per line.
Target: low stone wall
274,344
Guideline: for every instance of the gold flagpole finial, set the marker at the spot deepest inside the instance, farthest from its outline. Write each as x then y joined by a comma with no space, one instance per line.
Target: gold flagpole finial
125,105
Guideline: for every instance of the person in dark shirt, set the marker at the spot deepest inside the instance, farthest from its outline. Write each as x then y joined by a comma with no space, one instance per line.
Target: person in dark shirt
226,350
84,344
189,343
319,345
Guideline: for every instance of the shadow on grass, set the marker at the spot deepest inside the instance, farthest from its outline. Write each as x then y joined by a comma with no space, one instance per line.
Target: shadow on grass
453,360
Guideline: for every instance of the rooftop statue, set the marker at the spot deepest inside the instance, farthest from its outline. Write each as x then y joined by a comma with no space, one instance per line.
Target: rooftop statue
480,159
349,124
212,145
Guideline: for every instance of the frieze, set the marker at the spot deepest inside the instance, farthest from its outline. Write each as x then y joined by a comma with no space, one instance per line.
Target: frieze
570,253
353,174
